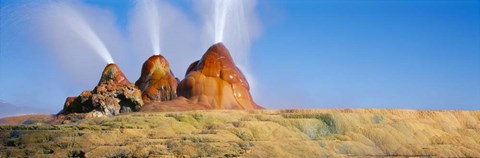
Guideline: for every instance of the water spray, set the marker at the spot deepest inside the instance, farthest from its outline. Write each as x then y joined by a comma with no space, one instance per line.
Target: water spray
222,8
232,27
150,11
81,28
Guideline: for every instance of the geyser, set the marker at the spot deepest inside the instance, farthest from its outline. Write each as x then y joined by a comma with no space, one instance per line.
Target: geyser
70,17
213,82
231,21
222,8
149,10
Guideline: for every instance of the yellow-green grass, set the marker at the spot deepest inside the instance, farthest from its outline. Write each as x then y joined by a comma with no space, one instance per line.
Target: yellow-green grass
258,133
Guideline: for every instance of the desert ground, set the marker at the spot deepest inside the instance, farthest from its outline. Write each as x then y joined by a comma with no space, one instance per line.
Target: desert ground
254,133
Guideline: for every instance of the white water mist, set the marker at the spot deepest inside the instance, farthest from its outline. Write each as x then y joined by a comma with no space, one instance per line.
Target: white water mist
77,25
235,24
148,9
178,35
62,44
221,9
80,37
232,22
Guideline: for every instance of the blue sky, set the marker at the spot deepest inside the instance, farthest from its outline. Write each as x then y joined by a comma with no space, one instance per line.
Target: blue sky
388,54
310,54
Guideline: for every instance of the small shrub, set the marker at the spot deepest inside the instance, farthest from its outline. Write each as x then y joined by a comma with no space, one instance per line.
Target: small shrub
238,124
328,120
33,121
325,118
174,115
248,118
171,144
377,119
322,144
243,134
120,153
12,142
197,116
231,155
15,134
199,140
246,145
76,153
206,150
345,149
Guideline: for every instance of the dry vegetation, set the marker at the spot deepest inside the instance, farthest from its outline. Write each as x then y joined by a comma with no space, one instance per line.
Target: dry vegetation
264,133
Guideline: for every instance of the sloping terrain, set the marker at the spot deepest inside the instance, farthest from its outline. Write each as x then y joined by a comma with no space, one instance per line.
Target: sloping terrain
256,133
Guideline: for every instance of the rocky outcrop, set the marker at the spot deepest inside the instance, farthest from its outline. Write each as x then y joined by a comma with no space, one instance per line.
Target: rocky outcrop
213,82
157,81
216,82
113,95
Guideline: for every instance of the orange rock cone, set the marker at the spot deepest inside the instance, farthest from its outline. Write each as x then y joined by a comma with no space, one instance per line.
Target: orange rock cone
113,73
157,81
215,81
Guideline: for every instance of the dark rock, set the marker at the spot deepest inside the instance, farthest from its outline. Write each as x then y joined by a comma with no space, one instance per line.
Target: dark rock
112,94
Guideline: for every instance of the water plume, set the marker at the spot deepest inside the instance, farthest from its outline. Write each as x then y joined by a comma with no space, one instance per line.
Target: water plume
62,44
149,10
80,37
234,23
74,33
77,25
222,8
177,33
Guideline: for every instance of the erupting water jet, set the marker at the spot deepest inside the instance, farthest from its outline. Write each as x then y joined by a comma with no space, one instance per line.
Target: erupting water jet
149,10
79,26
233,24
220,17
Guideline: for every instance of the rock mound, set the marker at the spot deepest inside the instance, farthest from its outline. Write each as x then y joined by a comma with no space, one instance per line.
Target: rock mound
216,82
157,81
114,74
113,95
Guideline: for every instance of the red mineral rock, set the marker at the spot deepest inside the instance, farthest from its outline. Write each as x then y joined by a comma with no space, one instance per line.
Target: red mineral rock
157,81
215,81
113,73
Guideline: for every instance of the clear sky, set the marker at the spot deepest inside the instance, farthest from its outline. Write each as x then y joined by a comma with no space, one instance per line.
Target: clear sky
310,54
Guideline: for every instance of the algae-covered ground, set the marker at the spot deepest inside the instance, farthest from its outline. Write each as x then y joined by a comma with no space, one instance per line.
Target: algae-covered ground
260,133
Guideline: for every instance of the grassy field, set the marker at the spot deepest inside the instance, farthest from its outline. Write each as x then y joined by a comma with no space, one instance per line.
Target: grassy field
261,133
